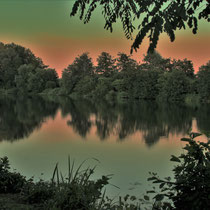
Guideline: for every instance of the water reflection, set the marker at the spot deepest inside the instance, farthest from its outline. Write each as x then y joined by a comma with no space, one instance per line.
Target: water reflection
203,119
20,117
152,119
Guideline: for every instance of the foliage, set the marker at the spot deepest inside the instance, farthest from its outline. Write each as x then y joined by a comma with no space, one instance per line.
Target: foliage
12,56
86,86
10,182
19,68
191,188
81,67
154,61
203,83
123,77
185,66
145,84
77,191
125,64
21,73
37,192
103,87
173,85
153,17
105,64
22,77
50,85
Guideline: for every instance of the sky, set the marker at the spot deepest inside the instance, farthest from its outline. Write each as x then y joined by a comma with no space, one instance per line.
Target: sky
46,28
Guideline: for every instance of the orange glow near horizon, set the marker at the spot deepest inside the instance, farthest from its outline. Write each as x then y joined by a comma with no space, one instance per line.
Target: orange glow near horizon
57,39
58,52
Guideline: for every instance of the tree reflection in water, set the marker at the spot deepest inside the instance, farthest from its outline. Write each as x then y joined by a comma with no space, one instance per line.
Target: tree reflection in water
19,118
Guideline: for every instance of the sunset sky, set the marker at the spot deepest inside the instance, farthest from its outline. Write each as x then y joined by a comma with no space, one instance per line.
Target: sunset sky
46,28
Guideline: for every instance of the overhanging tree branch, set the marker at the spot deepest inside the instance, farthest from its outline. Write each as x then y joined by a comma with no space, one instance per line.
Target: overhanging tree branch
152,16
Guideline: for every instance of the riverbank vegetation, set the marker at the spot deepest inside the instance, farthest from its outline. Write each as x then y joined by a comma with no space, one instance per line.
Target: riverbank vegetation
188,189
156,78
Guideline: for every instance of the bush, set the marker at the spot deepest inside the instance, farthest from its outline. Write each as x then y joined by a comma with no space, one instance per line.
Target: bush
10,182
191,188
39,192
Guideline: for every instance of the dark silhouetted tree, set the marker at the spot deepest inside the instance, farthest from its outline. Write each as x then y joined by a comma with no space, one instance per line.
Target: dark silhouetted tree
184,65
12,56
127,68
154,61
105,64
81,67
204,82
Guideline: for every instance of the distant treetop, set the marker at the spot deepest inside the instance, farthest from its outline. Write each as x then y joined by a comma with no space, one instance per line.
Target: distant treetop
153,16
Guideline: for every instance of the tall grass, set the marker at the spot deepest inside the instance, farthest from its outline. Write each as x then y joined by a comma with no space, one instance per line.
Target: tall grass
75,191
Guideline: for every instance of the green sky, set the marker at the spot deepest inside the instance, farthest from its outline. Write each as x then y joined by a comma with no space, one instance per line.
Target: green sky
46,28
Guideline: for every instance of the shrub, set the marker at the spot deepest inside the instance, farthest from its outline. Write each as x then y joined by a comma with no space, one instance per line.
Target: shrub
10,182
191,188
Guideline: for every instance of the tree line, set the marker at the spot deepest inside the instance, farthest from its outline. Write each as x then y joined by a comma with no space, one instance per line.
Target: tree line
156,78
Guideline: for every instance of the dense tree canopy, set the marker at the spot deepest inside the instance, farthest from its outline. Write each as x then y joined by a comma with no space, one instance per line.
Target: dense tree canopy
152,17
12,56
112,78
105,64
22,71
122,77
204,82
81,67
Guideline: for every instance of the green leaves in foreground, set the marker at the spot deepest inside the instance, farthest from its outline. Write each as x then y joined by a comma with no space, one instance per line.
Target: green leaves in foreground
191,186
175,159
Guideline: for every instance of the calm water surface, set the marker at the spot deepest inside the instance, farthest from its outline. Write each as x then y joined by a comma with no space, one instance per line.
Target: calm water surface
129,139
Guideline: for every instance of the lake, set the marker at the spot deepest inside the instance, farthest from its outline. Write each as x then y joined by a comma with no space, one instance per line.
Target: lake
129,139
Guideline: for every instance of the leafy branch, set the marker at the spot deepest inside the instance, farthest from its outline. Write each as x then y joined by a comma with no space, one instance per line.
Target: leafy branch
153,17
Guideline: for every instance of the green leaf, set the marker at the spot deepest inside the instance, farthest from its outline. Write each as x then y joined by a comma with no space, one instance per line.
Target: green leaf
162,185
185,139
175,159
146,198
194,135
151,191
158,181
151,178
126,197
133,198
159,197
